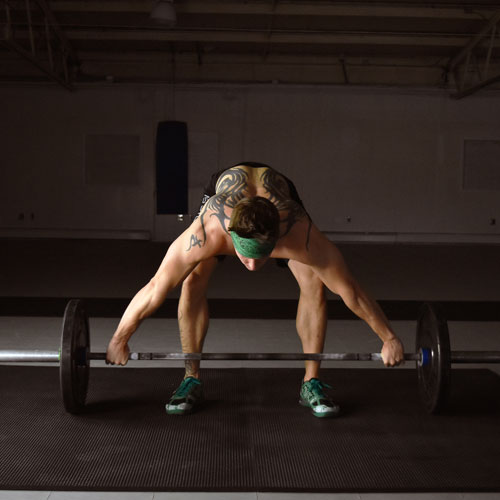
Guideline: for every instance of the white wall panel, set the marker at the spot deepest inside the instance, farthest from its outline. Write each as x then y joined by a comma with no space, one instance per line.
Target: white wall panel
364,160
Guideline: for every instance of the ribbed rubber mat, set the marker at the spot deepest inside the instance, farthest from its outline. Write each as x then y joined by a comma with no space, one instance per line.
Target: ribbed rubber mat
251,434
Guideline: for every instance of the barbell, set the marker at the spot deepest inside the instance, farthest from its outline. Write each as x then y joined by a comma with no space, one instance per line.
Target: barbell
433,357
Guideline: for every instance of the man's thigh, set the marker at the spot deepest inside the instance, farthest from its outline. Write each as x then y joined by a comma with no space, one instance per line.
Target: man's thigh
305,276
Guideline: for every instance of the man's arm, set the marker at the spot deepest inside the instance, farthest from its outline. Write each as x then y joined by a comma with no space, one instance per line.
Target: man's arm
328,263
178,262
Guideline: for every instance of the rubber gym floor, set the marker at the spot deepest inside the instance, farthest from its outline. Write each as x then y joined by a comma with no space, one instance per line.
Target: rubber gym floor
390,273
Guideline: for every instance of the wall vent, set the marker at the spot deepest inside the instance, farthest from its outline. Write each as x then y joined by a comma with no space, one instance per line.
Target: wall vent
112,160
481,165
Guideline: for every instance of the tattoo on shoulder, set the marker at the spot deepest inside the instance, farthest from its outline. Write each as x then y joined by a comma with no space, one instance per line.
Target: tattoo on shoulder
232,183
229,191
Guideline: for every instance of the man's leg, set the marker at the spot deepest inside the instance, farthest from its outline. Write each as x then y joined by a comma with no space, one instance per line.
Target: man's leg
311,314
193,325
311,327
193,312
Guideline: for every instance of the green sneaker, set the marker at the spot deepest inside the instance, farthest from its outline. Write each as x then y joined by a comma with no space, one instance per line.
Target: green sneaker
312,396
188,395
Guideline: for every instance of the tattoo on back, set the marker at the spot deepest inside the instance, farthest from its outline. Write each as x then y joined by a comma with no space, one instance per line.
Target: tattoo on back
276,187
279,194
229,191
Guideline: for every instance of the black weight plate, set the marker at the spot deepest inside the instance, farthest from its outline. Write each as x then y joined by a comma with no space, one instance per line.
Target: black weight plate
74,366
433,377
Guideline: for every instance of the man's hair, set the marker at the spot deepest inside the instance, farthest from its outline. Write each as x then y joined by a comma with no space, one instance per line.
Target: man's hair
257,218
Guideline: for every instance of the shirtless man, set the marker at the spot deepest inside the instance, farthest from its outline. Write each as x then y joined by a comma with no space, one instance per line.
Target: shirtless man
253,212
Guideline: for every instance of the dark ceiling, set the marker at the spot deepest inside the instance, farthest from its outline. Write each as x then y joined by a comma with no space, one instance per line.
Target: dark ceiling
450,44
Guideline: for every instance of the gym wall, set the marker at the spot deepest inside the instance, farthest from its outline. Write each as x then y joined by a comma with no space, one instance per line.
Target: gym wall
376,164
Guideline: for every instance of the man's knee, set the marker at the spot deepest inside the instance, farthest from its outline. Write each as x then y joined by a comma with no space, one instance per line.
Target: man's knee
196,283
310,284
314,289
193,285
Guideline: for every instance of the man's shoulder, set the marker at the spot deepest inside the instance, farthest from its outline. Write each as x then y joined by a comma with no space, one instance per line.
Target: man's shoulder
215,208
202,240
208,224
230,179
293,215
304,243
290,205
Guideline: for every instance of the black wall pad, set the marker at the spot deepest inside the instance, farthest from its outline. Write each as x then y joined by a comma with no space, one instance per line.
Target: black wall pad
402,310
172,168
251,435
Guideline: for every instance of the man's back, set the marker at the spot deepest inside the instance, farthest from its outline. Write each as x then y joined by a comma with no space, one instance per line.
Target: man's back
249,180
244,181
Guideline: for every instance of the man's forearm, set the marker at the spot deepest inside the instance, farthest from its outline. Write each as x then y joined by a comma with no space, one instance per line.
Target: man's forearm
368,310
140,307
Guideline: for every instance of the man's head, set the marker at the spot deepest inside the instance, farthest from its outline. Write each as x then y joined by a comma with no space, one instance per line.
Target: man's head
254,227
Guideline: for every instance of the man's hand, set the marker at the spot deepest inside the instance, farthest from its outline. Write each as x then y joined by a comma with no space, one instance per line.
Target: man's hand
393,352
117,353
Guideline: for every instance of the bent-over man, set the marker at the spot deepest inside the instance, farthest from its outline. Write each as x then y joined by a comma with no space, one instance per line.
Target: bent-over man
255,213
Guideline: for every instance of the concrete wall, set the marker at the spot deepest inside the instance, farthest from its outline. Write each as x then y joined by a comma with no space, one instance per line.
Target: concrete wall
378,161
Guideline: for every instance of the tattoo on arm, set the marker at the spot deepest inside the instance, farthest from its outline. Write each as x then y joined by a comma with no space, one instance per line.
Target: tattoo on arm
195,241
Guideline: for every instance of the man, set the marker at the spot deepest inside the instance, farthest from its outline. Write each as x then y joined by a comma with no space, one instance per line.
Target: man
254,212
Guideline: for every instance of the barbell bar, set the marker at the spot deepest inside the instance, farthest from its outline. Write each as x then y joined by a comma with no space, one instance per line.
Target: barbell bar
35,356
39,356
433,357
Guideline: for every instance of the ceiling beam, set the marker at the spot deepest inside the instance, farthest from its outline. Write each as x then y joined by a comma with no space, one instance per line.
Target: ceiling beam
474,88
221,7
59,56
276,37
466,58
474,42
294,58
55,26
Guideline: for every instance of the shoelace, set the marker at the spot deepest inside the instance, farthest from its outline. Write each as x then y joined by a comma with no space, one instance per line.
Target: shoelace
317,386
185,387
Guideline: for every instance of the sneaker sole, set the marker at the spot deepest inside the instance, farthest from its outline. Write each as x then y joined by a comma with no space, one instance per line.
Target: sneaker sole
330,414
179,411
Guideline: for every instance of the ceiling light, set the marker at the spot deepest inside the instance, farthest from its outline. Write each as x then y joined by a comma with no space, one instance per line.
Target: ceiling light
163,12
